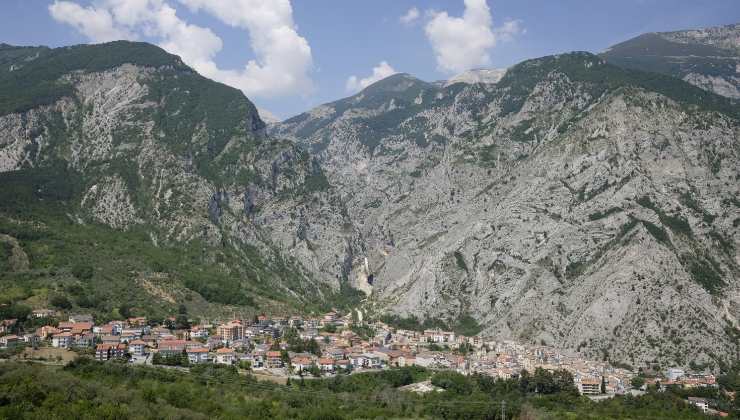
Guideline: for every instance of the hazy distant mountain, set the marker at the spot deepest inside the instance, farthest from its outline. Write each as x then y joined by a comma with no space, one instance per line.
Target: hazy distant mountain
707,58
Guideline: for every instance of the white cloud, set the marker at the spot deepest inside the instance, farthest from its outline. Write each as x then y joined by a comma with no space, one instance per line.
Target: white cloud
282,57
410,17
462,43
381,71
96,24
509,30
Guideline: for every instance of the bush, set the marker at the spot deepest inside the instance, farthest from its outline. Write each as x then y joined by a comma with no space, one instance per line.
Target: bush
452,381
83,271
60,301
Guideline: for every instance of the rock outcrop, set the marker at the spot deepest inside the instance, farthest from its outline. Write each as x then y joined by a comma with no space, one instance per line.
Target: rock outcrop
571,203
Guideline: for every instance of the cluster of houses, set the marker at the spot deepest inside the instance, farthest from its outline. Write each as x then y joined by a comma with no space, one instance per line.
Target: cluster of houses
261,343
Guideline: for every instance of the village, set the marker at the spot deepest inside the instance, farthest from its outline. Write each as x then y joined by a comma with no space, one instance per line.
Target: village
298,347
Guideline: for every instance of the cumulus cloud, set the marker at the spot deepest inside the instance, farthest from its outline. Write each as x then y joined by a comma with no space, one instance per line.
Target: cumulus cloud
96,24
283,56
282,61
462,43
410,17
381,71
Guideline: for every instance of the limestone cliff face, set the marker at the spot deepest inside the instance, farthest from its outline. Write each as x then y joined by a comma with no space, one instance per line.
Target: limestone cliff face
164,150
551,206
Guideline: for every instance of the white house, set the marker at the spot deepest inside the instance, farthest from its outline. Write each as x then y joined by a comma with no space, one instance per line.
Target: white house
675,373
198,355
9,341
137,347
62,340
225,356
699,402
326,364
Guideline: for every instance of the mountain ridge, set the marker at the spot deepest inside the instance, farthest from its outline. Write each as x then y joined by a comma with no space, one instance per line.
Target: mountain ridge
572,202
707,58
472,200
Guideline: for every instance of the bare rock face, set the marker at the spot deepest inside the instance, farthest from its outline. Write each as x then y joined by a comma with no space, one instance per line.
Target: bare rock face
550,206
162,149
477,76
726,37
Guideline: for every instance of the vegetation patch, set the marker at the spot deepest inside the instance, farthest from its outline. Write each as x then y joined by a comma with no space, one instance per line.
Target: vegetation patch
89,389
676,223
597,215
460,261
657,232
704,271
465,324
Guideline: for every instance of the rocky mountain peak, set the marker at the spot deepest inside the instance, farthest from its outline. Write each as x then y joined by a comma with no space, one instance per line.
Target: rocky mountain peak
487,76
398,82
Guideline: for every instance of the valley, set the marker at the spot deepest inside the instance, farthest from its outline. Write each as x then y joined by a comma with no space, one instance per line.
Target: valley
580,201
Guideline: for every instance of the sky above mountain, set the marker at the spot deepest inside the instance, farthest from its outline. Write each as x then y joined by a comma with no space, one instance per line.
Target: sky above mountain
288,56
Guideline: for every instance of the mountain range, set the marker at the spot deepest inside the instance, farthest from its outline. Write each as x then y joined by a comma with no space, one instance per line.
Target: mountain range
588,202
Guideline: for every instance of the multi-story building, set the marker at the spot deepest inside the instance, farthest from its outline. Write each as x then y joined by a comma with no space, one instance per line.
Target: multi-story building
105,352
230,331
590,386
198,355
273,360
225,356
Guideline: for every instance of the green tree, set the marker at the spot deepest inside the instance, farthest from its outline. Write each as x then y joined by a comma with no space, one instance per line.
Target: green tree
312,347
314,370
82,271
60,301
452,381
181,322
17,311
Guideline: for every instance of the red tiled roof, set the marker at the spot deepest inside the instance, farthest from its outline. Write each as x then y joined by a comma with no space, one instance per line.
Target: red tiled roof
76,325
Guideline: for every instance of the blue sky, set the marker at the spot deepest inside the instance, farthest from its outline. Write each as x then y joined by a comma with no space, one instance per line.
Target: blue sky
329,41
